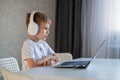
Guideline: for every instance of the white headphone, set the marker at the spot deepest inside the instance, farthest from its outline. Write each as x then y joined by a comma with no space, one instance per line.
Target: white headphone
33,27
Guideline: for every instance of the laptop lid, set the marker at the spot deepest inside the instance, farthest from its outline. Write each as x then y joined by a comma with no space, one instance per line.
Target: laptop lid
79,64
96,52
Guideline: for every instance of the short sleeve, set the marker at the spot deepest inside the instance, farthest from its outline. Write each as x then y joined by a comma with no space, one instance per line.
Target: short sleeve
27,51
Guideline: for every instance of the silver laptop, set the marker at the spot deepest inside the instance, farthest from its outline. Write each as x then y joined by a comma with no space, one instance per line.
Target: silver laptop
79,64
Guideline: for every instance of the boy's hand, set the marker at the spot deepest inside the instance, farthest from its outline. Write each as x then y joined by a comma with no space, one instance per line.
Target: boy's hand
55,58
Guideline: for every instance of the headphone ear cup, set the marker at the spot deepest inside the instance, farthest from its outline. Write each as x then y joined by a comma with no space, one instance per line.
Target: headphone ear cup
32,29
32,26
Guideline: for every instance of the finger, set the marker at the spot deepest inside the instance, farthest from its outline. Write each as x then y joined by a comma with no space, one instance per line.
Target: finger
45,63
49,63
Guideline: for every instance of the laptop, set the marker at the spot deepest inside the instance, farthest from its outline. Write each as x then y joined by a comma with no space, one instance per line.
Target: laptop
79,64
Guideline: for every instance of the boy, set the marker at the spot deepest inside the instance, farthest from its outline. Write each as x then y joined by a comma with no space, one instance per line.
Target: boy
35,51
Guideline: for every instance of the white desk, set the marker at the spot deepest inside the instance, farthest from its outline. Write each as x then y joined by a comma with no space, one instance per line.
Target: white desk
99,69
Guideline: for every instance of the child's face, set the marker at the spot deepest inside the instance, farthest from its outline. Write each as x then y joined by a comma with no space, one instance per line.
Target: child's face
43,31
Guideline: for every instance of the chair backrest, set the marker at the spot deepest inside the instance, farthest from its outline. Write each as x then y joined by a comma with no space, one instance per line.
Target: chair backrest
64,56
10,63
9,75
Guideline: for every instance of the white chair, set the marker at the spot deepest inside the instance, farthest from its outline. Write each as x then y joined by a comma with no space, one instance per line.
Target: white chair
9,75
10,63
64,56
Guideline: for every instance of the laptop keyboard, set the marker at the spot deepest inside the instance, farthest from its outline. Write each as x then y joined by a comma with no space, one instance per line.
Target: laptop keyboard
75,63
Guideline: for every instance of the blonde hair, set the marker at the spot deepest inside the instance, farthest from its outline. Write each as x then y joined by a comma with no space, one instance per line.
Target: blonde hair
38,18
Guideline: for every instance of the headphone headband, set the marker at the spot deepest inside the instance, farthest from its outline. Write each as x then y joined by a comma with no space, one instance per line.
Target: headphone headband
32,16
32,26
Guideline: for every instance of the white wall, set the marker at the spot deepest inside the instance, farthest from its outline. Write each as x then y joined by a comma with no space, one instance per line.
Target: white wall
12,24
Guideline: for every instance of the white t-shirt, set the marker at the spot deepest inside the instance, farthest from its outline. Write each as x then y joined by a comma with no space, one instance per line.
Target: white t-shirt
35,50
